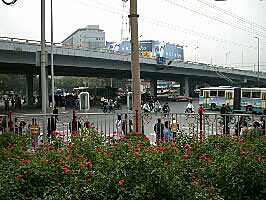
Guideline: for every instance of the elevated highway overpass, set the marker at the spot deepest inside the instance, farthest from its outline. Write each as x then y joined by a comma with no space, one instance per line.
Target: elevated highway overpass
19,56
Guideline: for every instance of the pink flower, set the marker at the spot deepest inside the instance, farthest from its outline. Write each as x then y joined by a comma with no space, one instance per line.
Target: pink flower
54,133
173,139
139,158
51,148
110,137
81,164
196,182
139,145
65,169
211,194
212,187
89,180
257,156
186,156
69,150
59,183
145,137
121,182
88,163
137,153
123,137
20,175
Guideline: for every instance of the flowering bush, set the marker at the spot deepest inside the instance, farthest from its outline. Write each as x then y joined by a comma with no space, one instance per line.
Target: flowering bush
92,167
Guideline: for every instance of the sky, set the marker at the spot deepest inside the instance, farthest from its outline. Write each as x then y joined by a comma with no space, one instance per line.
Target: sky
216,32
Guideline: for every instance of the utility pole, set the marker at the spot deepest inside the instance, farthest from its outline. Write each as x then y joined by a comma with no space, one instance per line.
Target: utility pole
43,68
135,67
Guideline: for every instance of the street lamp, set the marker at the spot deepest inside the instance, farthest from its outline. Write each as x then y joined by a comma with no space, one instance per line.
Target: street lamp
195,52
258,60
226,56
52,55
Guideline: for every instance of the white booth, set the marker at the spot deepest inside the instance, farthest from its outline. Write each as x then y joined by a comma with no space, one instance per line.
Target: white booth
129,100
84,101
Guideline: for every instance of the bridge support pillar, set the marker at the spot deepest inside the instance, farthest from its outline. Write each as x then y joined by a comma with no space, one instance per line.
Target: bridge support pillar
184,86
154,87
29,89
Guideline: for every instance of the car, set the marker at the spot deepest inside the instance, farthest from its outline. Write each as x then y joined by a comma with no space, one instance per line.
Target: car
182,98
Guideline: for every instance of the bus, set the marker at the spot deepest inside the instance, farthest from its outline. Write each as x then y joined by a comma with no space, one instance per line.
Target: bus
252,100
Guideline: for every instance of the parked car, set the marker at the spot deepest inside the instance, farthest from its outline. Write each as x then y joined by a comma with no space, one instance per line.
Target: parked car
182,98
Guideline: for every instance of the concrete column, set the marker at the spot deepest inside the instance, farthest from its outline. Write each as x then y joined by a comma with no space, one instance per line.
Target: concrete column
182,85
186,86
154,87
29,89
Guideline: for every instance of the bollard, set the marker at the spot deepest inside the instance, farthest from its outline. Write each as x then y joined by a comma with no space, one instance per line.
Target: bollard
200,111
10,124
137,121
74,122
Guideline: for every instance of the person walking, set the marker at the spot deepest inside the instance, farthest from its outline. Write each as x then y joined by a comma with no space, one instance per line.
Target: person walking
168,135
118,125
174,126
158,129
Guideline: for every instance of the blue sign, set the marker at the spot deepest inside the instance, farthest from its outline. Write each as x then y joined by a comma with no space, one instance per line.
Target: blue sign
160,60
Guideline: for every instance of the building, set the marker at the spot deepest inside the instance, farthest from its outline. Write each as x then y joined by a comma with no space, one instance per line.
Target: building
91,37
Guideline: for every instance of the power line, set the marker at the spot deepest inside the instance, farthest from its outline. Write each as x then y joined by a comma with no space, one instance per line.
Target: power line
117,11
232,14
216,18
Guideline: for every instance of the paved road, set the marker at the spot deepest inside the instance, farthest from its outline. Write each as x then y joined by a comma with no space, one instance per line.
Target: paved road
104,122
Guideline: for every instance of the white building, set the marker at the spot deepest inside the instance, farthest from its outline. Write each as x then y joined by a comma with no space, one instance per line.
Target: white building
91,37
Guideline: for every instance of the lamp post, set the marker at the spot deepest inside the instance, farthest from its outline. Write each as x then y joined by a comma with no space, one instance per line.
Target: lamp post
226,56
258,60
52,55
195,53
43,68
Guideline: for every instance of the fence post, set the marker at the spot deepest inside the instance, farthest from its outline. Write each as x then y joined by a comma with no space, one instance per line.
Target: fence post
74,122
137,121
10,124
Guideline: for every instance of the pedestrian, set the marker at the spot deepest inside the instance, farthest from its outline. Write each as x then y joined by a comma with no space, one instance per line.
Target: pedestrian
168,135
174,126
225,117
190,108
125,125
34,132
118,125
158,129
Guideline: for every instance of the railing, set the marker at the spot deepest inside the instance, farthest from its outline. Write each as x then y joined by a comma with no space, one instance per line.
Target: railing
209,124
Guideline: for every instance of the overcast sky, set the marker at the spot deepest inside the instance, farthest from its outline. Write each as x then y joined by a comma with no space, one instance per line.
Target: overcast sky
223,31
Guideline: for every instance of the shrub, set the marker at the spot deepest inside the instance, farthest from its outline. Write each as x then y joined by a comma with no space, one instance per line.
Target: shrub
94,167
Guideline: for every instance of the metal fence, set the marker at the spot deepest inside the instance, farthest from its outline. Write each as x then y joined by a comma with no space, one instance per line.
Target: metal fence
114,124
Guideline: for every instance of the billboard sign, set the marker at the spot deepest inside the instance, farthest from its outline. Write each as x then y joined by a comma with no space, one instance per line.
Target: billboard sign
149,48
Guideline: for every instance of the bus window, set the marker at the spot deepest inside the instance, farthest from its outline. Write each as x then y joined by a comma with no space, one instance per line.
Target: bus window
213,93
201,93
229,95
246,94
221,93
206,94
255,94
263,97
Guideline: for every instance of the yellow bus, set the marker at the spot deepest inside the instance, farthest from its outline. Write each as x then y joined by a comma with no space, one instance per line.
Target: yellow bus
251,100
